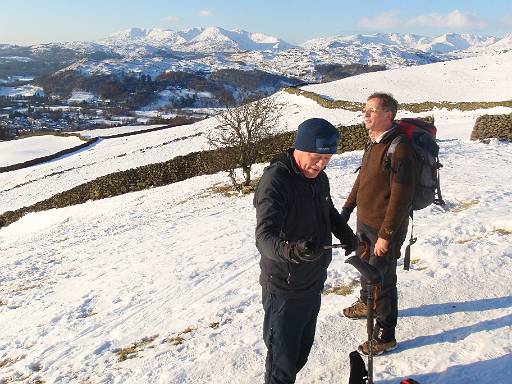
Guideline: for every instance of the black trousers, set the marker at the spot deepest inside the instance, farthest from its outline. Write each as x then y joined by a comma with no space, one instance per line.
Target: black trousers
387,296
288,331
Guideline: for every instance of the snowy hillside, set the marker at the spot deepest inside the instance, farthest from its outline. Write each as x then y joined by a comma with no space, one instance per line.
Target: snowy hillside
161,285
483,78
18,151
469,79
24,91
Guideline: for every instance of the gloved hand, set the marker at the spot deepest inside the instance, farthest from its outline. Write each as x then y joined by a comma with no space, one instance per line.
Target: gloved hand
303,251
345,213
351,246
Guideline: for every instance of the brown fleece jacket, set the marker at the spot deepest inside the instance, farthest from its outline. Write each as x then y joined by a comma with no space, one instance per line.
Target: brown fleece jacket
383,196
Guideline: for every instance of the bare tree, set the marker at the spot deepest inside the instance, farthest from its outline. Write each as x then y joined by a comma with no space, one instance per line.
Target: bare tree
240,133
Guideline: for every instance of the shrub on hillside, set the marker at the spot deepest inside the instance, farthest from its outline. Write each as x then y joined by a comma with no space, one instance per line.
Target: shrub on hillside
241,131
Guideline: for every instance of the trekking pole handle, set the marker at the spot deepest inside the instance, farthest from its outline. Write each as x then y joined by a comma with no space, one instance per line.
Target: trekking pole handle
332,246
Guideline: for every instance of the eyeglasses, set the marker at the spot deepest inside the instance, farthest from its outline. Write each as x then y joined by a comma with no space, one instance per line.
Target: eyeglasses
371,110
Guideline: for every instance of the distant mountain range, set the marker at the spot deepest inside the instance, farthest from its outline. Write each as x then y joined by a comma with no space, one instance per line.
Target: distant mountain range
222,64
213,48
442,44
153,51
204,40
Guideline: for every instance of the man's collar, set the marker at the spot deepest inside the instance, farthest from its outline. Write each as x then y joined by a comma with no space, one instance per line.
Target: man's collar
384,135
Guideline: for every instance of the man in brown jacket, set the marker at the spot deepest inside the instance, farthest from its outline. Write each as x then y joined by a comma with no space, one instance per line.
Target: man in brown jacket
383,193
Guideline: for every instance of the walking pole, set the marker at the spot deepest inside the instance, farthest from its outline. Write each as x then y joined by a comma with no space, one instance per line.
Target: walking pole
373,279
372,299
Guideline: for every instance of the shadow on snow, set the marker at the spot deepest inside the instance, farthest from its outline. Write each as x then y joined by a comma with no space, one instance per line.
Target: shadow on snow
482,372
429,310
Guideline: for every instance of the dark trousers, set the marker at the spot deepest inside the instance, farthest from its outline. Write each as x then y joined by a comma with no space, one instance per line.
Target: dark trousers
387,296
288,332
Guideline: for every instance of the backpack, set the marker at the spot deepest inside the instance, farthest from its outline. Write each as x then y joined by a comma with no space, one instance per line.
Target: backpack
422,137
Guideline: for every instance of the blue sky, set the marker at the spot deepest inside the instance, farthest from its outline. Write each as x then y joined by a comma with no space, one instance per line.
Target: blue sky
27,22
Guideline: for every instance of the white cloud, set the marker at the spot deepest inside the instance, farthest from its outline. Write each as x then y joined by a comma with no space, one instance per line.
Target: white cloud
205,13
454,20
172,19
382,21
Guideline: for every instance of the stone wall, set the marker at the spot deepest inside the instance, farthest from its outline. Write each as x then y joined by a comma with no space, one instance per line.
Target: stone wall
177,169
412,107
44,159
493,126
88,142
118,183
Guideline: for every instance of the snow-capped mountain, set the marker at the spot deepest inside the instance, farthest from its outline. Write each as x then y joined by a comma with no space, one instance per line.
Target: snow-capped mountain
452,42
205,40
502,45
154,51
205,52
216,48
442,44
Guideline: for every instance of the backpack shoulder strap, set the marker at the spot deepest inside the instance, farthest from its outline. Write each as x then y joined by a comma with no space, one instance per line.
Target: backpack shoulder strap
397,140
391,149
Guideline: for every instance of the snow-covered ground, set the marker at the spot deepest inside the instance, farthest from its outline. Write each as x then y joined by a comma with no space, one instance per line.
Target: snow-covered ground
79,96
18,151
175,270
482,78
24,90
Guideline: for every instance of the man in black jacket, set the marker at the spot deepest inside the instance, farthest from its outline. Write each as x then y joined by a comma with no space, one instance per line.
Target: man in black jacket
295,221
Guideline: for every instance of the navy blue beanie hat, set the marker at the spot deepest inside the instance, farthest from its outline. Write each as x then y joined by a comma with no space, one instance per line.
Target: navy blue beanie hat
317,136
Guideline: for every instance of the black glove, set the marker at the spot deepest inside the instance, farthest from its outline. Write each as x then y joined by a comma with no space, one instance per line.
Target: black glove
345,213
351,245
303,251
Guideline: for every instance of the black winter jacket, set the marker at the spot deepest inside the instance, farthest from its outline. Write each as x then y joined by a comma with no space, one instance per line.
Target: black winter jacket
291,207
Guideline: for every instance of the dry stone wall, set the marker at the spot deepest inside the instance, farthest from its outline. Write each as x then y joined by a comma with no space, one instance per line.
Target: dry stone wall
354,137
44,159
180,168
412,107
493,126
68,151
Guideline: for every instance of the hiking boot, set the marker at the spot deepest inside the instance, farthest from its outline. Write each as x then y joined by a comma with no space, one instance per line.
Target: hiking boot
358,310
378,347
